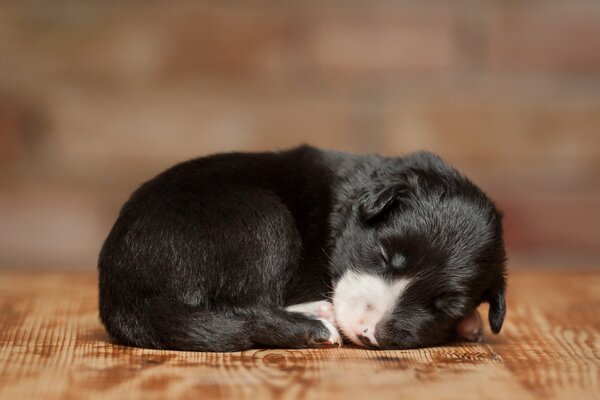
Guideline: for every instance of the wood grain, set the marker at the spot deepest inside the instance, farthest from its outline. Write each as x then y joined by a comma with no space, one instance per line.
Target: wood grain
53,346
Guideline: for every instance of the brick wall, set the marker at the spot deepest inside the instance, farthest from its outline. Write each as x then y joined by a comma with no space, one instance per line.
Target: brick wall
97,96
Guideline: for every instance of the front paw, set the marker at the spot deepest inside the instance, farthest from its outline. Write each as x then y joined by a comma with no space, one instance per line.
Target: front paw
471,328
326,337
321,309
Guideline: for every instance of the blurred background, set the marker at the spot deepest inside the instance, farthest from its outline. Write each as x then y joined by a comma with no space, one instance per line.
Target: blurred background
98,96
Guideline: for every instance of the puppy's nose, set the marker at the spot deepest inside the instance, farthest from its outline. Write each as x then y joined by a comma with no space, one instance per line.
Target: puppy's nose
365,340
367,337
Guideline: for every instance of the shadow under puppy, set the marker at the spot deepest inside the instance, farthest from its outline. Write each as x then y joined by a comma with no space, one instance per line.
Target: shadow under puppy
240,250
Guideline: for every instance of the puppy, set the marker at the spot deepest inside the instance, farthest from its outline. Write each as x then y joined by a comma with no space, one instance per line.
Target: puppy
241,250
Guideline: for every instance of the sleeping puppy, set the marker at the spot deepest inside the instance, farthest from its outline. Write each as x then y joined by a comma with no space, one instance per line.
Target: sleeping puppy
282,249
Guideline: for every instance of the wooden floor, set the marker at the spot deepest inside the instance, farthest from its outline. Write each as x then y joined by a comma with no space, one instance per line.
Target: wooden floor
53,346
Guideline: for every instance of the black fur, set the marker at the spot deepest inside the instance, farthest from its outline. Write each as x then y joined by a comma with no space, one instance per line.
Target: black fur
206,255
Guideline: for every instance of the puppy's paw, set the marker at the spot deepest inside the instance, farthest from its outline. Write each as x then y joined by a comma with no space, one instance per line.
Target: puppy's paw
323,312
326,337
471,328
322,309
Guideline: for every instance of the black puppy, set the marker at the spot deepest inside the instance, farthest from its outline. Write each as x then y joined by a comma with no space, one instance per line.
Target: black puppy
233,251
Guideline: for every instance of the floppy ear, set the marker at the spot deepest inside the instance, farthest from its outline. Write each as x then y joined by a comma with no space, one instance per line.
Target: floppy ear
374,202
497,308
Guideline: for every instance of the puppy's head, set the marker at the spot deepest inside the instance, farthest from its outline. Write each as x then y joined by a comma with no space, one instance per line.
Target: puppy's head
422,249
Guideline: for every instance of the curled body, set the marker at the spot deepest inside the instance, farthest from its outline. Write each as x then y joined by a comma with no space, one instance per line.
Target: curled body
299,248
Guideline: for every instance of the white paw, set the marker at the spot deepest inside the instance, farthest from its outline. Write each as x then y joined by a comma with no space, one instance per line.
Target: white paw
321,309
334,335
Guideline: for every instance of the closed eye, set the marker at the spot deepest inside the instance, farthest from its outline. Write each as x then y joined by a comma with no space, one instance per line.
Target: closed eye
395,261
384,254
398,261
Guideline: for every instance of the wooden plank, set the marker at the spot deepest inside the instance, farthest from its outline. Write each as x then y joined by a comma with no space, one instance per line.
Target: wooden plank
53,346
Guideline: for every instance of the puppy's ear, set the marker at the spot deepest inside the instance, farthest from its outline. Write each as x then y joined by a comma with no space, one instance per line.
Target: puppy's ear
497,312
376,201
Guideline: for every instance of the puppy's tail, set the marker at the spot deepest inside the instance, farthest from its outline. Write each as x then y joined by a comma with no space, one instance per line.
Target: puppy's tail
177,326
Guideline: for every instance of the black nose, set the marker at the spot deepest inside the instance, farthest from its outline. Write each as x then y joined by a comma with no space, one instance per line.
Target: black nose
365,340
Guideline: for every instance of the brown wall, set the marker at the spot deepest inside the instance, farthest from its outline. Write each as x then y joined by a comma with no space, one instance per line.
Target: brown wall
96,96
